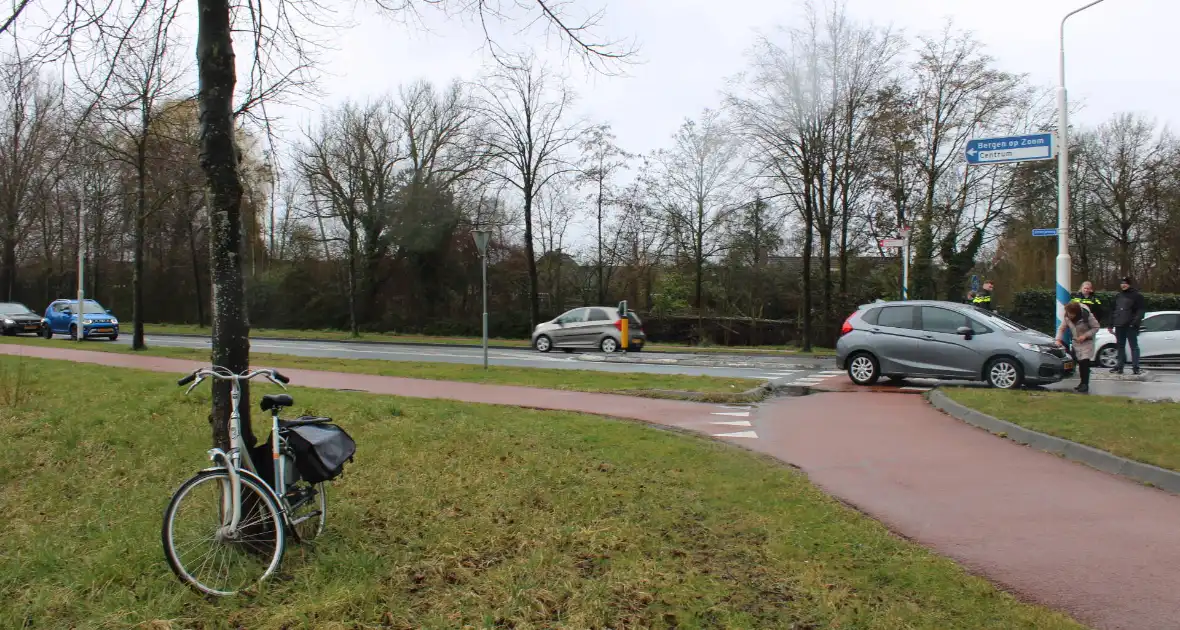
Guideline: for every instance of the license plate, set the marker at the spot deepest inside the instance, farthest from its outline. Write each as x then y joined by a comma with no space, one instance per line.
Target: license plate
1069,365
636,341
32,327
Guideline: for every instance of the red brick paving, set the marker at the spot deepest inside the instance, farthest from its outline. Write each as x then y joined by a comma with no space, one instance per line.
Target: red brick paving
1104,549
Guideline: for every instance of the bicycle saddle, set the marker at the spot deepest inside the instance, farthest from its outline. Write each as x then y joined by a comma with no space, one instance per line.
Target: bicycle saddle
273,401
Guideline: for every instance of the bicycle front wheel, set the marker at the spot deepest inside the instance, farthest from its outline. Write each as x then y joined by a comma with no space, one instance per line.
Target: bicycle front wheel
204,553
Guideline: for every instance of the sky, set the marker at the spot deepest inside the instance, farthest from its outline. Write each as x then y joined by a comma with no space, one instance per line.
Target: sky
1119,54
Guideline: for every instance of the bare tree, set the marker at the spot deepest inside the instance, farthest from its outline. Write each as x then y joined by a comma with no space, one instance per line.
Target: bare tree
601,160
145,76
699,183
527,134
957,92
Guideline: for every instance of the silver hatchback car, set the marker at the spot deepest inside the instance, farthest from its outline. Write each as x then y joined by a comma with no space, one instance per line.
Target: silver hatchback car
946,340
589,328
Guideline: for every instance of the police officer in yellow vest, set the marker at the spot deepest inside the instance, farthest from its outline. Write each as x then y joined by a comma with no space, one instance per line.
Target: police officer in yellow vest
1086,297
983,298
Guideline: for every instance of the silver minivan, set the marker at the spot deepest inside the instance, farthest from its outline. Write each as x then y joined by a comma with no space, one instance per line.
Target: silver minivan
946,340
587,328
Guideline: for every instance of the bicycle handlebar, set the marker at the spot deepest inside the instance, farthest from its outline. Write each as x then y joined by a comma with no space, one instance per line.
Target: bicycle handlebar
223,374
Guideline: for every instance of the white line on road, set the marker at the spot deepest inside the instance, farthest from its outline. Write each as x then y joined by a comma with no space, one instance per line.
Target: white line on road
739,434
735,423
735,414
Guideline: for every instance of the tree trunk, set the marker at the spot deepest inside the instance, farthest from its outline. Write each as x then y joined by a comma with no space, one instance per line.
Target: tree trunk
219,161
601,268
137,249
534,298
192,246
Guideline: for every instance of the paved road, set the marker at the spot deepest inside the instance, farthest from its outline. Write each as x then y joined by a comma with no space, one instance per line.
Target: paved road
1099,547
784,368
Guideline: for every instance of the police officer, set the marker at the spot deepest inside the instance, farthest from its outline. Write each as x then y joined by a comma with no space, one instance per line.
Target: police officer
983,299
1086,297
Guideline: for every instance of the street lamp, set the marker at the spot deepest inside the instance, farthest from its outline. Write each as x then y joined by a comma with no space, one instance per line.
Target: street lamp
482,237
1064,263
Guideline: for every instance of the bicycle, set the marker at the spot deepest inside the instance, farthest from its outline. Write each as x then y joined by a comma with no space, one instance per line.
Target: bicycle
256,509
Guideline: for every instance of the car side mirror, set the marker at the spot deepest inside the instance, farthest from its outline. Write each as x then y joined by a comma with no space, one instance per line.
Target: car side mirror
109,312
965,332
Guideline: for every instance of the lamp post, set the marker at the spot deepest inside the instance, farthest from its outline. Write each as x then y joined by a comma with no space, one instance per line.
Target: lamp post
482,237
81,327
1064,263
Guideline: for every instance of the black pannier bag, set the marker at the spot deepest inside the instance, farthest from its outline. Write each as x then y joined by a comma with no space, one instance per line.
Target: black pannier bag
321,450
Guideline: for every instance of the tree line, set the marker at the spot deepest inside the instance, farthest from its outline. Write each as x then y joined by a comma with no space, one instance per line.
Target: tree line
757,222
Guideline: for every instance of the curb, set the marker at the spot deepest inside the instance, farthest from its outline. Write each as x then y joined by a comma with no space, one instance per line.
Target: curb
757,394
1095,458
491,346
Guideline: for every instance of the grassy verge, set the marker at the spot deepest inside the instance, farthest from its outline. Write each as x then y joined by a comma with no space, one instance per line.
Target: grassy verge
1138,430
453,516
340,335
637,383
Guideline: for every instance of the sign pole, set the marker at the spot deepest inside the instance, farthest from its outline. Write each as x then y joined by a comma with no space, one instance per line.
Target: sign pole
482,238
1064,263
81,272
484,264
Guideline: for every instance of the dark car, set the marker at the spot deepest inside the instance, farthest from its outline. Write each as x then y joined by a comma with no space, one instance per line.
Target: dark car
16,318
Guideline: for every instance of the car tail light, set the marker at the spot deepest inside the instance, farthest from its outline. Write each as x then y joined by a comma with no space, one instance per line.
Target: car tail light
619,325
847,327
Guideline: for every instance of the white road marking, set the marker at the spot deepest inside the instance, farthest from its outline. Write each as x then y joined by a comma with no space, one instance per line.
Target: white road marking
916,389
738,407
735,423
739,434
736,414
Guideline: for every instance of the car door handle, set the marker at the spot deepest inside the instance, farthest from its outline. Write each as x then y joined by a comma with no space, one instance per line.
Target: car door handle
874,330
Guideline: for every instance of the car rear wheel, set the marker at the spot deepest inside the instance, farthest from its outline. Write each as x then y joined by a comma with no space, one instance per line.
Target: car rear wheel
543,344
863,369
1004,373
608,345
73,332
1108,356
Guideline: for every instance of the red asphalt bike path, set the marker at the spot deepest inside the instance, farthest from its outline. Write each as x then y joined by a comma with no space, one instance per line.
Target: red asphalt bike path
1099,547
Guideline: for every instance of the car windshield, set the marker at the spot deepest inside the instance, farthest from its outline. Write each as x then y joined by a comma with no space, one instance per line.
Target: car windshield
13,308
999,320
89,308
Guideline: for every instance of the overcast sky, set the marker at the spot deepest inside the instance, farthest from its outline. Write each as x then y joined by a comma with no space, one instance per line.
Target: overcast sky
1120,54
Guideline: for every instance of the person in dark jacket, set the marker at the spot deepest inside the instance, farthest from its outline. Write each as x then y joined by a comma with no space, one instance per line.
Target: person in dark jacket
983,299
1125,322
1087,298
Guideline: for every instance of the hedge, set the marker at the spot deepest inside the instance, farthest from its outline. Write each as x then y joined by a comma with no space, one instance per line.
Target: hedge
1035,307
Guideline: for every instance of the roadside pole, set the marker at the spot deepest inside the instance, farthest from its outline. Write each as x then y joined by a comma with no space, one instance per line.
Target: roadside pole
905,264
482,237
624,326
81,272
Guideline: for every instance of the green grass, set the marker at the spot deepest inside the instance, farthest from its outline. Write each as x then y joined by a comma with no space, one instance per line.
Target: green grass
341,335
1143,431
452,516
637,383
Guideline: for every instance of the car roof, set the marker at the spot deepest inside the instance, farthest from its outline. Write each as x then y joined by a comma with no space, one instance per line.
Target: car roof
915,303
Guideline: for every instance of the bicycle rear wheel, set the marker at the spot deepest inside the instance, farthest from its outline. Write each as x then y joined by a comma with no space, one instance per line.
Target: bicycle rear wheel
206,557
307,509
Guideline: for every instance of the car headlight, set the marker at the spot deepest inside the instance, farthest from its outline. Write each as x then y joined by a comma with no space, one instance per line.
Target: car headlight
88,321
9,321
114,322
1033,347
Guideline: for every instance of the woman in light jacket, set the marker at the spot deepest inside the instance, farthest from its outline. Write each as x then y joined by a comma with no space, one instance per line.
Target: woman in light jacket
1082,327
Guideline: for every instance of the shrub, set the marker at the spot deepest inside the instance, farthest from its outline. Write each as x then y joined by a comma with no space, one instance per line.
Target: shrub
1034,307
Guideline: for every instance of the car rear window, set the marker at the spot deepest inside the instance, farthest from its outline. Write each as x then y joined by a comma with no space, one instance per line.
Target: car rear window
870,317
634,319
896,317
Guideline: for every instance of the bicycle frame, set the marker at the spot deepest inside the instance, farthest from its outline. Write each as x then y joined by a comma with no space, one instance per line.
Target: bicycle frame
231,460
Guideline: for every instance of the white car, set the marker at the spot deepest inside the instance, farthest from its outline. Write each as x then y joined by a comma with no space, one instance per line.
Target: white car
1159,341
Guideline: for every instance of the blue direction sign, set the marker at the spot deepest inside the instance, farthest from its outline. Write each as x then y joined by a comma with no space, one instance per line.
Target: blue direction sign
1037,146
1045,232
